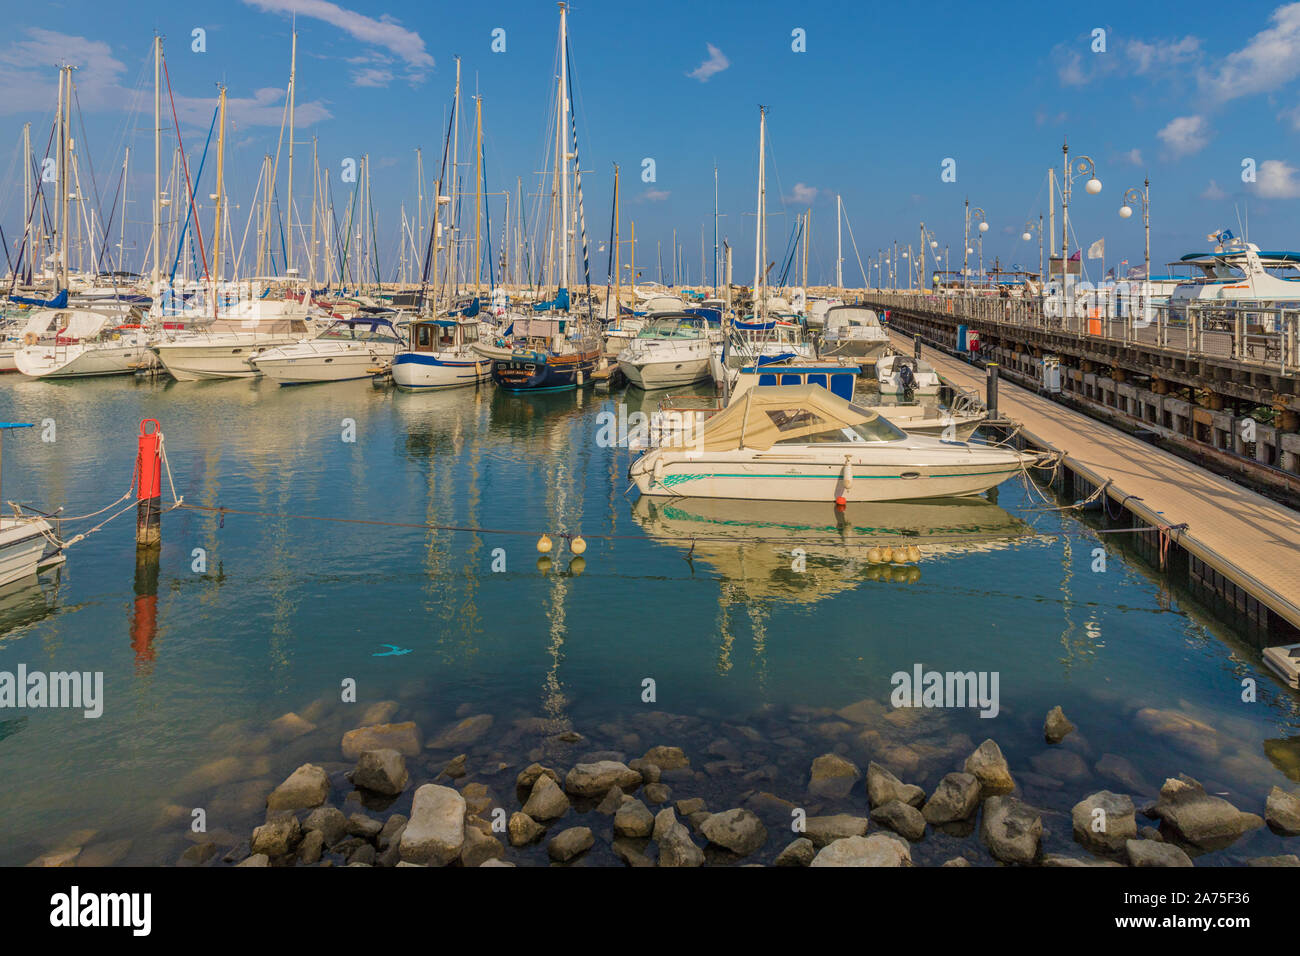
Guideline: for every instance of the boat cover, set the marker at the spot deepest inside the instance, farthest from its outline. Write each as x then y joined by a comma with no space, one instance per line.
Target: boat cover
771,413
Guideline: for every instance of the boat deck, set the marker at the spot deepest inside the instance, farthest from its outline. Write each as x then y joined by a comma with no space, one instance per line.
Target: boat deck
1249,539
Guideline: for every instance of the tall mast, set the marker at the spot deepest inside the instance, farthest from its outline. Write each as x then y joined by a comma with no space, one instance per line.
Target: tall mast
715,228
633,269
453,221
618,253
562,136
419,196
807,234
65,107
221,184
121,236
478,192
758,225
157,162
293,69
315,190
27,190
839,243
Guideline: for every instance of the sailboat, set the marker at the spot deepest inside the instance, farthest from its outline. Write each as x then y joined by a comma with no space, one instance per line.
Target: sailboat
559,351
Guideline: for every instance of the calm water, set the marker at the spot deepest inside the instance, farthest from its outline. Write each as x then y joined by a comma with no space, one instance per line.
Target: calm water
197,664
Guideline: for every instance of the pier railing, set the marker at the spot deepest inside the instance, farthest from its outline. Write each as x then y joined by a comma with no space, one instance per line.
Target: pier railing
1264,337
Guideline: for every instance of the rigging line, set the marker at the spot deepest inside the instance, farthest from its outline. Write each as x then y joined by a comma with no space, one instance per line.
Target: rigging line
185,164
37,196
192,212
94,184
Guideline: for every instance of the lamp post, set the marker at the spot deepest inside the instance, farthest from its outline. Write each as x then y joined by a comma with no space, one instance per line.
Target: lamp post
1083,166
1029,234
1131,198
978,215
927,237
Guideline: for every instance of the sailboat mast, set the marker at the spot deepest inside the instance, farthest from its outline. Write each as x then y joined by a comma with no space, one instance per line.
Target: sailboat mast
453,220
65,107
715,228
762,196
478,193
839,243
618,253
218,251
563,121
293,70
315,192
157,162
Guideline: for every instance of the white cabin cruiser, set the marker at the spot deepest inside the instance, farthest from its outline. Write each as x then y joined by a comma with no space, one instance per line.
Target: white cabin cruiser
815,314
86,344
906,376
853,332
671,350
801,443
347,349
223,347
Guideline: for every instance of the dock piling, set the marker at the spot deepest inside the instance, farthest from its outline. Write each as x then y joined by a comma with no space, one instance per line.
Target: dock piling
148,473
991,390
916,349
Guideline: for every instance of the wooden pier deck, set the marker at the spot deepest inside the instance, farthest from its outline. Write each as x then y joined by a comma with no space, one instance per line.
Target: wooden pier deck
1249,539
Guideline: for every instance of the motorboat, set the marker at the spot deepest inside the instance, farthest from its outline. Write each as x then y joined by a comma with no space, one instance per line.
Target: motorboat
87,343
906,376
222,348
442,354
346,349
671,350
802,443
851,331
815,314
22,539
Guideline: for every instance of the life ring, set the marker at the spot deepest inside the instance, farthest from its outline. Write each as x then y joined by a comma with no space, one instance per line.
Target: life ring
30,338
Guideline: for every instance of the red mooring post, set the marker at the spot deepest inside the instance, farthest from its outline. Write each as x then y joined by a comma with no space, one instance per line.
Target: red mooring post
148,471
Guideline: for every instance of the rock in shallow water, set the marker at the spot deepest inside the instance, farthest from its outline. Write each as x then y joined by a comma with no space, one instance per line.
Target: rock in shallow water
1151,853
594,779
1282,811
404,738
436,830
832,776
883,786
737,830
461,733
1205,821
634,819
824,830
569,843
523,829
547,801
381,771
306,787
1104,821
903,819
799,853
1011,829
989,767
330,821
955,798
878,849
1057,726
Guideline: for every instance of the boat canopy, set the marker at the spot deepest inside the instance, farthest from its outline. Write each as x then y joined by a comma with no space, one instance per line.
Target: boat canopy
40,321
60,301
842,316
776,413
83,325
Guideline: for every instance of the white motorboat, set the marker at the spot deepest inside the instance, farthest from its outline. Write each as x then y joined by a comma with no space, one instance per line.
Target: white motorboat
22,544
86,344
672,350
621,331
347,349
815,314
906,376
223,347
853,332
442,355
801,443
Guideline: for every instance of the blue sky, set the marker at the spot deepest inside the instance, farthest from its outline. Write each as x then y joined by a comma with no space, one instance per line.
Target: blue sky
881,97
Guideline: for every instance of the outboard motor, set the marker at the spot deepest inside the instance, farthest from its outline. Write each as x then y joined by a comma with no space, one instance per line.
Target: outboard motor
906,381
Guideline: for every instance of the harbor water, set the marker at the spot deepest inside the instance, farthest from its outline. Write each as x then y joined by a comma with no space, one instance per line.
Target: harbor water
744,634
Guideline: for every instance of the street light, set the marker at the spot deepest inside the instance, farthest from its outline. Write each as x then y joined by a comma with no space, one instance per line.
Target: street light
1083,166
1029,234
1131,198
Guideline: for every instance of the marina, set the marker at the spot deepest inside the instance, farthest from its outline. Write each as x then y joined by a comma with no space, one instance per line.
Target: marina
477,523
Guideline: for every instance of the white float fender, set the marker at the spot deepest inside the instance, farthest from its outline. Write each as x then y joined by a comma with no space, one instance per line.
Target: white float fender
846,473
658,473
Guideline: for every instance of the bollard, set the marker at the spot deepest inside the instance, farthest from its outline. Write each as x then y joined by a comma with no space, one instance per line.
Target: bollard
991,390
916,349
148,474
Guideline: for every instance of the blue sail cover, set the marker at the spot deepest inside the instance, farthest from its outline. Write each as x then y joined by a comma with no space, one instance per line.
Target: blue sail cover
58,302
559,304
469,311
711,316
754,326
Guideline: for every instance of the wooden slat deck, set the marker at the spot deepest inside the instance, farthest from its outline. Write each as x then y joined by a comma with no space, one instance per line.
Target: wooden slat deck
1249,539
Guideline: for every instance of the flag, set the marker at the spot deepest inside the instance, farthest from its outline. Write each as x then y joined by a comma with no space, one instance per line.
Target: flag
1097,250
1110,273
1137,272
1078,254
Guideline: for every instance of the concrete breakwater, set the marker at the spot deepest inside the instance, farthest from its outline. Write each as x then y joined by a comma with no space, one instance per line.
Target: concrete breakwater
533,791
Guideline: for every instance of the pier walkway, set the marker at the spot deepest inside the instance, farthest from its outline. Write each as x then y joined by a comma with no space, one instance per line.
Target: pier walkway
1247,538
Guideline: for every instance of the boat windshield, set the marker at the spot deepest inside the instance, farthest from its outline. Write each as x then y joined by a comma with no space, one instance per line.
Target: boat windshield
358,332
877,429
674,328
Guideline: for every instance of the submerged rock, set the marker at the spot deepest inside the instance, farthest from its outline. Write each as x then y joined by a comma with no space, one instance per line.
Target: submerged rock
902,818
1057,726
523,829
277,837
737,830
800,852
594,779
569,843
404,738
1104,821
306,787
461,733
1151,853
528,776
634,819
435,832
1282,811
832,776
547,801
879,849
381,771
676,848
478,848
330,821
1011,829
667,758
824,830
883,786
955,798
989,767
1124,773
1204,821
1179,730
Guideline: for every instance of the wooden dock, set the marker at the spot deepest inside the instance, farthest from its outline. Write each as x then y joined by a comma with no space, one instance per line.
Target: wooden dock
1250,540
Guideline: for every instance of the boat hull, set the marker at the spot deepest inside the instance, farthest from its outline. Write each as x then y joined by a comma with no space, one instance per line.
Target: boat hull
670,374
194,362
539,372
21,545
305,368
79,362
417,370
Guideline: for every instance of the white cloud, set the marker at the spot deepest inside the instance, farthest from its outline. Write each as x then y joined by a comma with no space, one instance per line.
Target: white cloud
1133,156
1270,59
1162,54
1185,135
29,77
264,108
716,63
802,193
1275,179
385,32
656,195
1214,192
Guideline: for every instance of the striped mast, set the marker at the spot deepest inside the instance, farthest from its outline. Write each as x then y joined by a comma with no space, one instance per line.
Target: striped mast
577,177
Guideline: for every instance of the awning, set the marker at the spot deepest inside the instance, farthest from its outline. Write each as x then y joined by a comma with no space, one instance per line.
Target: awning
771,413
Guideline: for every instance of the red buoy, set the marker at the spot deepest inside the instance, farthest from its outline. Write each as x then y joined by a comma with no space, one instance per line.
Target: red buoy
841,501
148,485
